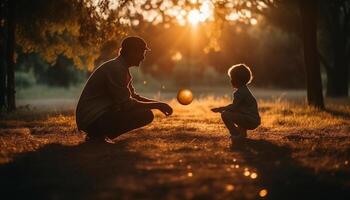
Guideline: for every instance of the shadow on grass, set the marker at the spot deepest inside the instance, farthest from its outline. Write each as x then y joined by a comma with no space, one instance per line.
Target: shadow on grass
285,178
29,115
86,171
338,113
103,171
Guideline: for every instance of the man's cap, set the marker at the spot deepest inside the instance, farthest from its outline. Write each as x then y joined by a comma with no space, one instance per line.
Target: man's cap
134,42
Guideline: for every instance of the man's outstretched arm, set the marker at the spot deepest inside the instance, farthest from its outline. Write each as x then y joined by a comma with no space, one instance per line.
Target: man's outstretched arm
144,102
143,99
163,107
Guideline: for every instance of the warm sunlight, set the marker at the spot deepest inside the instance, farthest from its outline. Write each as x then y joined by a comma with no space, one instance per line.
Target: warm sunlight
204,13
175,99
196,12
194,17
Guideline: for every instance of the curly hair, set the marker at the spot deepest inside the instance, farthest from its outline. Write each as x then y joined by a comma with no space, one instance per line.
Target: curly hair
240,74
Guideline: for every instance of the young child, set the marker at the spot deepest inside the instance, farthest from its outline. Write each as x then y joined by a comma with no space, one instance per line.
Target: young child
242,114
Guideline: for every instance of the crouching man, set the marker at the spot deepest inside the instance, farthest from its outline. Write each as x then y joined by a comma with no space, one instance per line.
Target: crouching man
108,105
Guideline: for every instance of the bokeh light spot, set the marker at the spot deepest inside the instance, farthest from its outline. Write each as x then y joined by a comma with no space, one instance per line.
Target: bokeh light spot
253,175
230,187
246,173
263,193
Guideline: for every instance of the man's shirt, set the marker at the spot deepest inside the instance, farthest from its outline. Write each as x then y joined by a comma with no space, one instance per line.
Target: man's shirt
108,87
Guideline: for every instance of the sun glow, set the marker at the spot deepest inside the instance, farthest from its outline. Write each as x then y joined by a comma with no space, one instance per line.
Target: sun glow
194,17
205,12
192,13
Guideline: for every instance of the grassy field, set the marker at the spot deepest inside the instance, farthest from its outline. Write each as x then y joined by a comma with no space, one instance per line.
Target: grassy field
297,153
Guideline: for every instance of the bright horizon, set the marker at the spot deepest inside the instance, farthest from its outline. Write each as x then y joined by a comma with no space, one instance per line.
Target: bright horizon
197,12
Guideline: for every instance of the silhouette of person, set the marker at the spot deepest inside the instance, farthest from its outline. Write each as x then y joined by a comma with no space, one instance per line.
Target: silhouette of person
108,105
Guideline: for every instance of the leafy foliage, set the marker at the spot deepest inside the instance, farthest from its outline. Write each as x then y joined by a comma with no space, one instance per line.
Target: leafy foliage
75,29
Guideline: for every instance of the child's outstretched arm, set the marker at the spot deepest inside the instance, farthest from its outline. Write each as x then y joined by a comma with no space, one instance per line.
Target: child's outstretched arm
229,107
237,100
236,103
219,109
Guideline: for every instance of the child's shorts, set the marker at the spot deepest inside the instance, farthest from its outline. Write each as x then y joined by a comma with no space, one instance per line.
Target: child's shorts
243,120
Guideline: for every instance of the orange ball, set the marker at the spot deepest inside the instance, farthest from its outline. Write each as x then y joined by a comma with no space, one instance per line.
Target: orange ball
184,96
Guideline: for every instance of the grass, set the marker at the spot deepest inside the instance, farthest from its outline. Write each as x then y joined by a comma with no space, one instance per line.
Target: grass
297,153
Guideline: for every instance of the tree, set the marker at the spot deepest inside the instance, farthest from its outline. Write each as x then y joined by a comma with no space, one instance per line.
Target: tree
308,10
10,51
334,31
333,36
308,21
76,29
2,56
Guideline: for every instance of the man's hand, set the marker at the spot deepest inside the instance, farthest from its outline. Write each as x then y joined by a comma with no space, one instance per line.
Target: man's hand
218,110
165,109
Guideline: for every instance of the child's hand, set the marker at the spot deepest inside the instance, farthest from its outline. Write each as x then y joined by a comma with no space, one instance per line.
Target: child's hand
217,110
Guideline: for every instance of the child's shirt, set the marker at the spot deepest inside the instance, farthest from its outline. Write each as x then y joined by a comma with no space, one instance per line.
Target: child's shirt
244,102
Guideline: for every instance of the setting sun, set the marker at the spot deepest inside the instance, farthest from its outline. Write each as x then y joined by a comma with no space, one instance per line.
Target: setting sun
205,12
194,17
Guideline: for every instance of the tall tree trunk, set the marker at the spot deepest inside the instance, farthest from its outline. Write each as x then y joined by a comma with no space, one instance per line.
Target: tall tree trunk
308,10
338,75
2,73
2,56
11,103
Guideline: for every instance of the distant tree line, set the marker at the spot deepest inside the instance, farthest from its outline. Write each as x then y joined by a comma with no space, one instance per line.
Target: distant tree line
31,69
